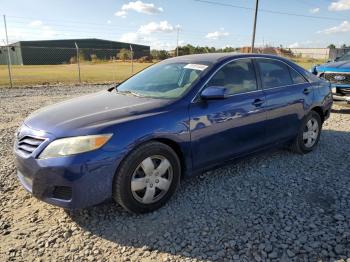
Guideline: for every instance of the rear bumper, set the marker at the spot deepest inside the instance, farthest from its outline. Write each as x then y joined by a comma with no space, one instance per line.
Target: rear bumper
69,182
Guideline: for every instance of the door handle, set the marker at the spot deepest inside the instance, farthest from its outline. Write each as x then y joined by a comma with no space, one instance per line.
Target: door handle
306,91
258,102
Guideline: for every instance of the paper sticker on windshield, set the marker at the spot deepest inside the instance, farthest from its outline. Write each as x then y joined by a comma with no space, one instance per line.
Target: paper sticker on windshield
196,67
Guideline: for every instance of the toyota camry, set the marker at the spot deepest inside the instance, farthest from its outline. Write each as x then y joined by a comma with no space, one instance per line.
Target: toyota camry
133,143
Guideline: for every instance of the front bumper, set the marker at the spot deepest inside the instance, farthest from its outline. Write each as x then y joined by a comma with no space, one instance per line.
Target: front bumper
341,86
85,181
75,181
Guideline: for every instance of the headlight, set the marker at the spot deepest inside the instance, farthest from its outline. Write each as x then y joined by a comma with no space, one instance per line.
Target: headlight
74,145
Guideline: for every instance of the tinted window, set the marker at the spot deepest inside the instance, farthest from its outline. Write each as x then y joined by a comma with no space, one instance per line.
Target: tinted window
297,78
274,73
237,76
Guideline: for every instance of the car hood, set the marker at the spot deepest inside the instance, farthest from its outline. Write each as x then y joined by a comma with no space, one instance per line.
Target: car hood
94,111
340,66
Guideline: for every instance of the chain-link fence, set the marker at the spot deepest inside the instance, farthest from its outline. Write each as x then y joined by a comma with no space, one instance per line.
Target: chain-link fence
52,65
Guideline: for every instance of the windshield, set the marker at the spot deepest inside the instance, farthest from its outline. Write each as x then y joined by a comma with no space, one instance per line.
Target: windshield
163,80
345,57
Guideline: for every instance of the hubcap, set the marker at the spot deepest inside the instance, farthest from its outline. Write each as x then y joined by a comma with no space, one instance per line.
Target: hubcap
310,133
151,179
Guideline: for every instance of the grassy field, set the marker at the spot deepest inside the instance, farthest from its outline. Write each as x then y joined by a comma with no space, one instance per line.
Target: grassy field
90,73
307,63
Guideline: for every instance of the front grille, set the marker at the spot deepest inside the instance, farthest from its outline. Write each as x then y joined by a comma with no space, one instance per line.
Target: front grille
27,144
62,192
332,77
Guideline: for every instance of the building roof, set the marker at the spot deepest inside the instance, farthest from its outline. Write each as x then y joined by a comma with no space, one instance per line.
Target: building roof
85,41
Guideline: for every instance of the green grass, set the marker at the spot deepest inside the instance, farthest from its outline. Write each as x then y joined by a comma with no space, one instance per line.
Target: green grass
90,73
308,63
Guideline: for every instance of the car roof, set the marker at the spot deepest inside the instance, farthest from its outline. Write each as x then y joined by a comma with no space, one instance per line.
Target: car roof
213,58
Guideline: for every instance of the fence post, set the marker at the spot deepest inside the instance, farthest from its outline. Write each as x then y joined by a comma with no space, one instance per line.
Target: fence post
8,53
115,65
78,60
132,60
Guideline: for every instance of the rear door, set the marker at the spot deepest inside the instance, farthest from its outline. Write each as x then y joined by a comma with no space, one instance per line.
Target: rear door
224,128
288,96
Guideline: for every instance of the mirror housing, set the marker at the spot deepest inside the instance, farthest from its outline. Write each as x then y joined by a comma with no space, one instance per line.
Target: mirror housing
214,92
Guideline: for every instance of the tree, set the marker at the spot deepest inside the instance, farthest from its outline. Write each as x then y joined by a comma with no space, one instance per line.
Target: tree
124,54
159,54
331,46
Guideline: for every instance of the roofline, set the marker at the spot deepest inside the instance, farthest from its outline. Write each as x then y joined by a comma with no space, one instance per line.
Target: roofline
77,39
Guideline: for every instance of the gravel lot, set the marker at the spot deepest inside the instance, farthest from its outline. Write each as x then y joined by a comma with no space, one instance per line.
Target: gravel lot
273,206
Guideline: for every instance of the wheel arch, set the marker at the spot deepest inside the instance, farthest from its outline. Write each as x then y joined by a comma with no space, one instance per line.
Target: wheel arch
165,140
319,111
177,148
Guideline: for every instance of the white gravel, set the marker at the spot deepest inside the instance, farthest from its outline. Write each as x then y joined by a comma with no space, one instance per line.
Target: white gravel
273,206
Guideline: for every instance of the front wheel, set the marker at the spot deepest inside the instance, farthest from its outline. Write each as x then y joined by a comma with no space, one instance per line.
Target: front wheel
309,134
147,178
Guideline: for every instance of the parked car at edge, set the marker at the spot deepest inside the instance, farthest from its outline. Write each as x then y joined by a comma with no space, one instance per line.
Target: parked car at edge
182,116
337,72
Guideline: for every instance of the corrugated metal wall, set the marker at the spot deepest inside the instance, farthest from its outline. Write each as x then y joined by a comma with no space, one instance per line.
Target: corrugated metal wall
62,51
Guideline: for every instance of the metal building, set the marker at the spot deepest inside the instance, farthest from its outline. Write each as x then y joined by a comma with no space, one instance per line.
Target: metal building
51,52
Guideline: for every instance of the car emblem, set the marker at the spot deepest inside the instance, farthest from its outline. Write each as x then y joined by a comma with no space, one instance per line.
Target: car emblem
339,78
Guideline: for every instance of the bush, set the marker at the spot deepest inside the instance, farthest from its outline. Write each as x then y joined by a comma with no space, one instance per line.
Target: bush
73,60
124,54
144,59
93,58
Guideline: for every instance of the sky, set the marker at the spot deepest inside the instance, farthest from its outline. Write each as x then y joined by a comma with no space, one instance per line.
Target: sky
218,23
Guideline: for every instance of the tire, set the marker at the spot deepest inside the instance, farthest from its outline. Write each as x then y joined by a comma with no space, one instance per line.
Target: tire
304,142
137,187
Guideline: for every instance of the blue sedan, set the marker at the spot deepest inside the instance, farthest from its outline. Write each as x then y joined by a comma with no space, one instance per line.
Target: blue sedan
134,142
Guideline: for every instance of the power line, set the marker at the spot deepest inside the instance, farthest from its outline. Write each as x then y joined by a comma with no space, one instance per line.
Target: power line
270,11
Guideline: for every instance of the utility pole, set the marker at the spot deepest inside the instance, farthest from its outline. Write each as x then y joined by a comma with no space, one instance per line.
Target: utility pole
8,53
254,27
177,40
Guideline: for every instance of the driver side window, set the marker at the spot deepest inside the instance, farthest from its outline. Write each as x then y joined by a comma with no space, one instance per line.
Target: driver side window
237,76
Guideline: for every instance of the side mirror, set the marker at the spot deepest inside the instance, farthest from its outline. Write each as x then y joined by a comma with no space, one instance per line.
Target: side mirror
214,92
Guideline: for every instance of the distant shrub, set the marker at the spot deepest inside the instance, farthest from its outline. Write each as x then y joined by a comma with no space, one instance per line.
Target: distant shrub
124,54
73,60
144,59
93,58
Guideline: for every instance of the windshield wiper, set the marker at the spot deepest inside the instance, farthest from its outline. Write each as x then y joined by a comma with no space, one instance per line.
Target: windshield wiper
128,92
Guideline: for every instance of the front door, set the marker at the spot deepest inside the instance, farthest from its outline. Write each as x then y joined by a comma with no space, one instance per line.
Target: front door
224,128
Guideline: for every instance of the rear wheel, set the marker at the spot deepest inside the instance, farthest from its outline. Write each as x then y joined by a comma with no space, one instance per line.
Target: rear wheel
147,178
309,134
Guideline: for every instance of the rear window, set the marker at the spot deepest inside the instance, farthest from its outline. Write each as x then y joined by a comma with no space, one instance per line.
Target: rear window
274,73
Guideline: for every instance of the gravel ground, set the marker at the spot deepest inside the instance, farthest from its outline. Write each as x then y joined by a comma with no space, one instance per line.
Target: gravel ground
274,206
